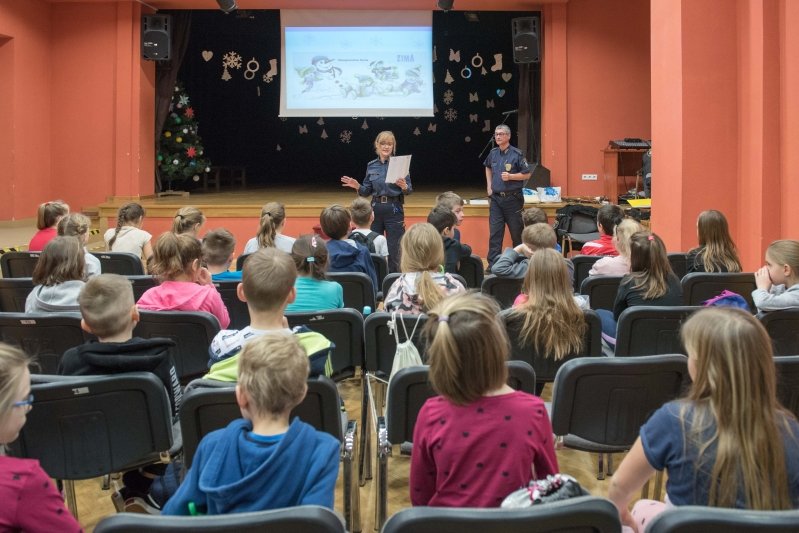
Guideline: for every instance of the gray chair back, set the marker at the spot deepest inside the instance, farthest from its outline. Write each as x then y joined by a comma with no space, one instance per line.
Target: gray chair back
783,328
237,310
697,287
696,519
651,330
503,290
582,266
141,284
679,263
358,289
601,291
300,519
380,344
192,332
788,382
18,264
344,327
586,514
13,293
44,335
381,268
472,271
122,263
240,261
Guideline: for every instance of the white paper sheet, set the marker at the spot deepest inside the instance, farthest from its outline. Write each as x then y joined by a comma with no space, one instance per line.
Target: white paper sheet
398,167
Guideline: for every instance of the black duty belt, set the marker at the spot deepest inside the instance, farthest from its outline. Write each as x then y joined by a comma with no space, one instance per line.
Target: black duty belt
509,193
388,199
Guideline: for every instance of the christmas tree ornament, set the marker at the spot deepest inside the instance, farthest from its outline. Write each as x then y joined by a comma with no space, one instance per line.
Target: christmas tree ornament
179,140
167,134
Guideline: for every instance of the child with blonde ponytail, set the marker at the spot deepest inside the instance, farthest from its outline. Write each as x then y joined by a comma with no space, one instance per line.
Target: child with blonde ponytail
423,283
188,220
273,218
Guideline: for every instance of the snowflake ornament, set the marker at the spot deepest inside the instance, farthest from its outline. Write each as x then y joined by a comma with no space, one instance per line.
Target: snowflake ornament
189,112
231,60
191,151
449,96
450,115
184,100
345,136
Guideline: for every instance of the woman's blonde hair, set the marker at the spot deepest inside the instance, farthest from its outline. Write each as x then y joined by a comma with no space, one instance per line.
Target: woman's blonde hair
785,252
187,219
718,252
422,251
62,260
13,362
649,265
272,216
553,323
467,347
174,255
732,408
385,136
622,234
75,225
49,213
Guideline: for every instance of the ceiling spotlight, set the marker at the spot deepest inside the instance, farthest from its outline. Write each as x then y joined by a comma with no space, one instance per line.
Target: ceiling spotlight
227,5
445,5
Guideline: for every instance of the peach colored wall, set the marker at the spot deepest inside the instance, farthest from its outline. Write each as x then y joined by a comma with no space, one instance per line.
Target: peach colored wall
608,90
26,62
789,112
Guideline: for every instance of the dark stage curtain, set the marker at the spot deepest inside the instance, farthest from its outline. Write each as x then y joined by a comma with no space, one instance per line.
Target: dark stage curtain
529,111
166,74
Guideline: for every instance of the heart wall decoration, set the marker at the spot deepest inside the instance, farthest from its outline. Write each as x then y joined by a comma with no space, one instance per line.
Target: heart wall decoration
207,55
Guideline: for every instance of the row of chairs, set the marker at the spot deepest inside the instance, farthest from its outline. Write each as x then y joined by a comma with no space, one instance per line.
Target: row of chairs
584,263
586,513
21,264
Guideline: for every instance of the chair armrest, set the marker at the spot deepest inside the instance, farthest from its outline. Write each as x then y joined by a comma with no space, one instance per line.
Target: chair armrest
383,445
350,436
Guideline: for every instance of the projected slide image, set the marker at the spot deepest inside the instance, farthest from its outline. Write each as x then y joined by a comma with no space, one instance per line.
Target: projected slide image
365,68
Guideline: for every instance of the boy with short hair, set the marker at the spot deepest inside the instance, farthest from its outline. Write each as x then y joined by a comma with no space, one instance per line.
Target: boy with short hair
345,255
267,286
454,203
109,312
263,460
534,215
513,261
362,218
218,245
607,218
444,220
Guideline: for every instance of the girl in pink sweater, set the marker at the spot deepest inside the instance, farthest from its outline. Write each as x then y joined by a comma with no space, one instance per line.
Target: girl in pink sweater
186,284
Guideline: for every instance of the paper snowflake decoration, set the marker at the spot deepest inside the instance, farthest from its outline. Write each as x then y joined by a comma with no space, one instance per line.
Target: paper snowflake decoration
449,96
267,78
184,100
191,151
345,136
450,115
231,60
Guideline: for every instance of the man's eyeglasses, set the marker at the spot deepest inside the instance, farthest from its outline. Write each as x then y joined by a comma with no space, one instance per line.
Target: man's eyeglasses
27,402
500,134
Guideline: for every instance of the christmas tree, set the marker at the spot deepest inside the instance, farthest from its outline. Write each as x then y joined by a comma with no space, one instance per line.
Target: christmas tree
180,150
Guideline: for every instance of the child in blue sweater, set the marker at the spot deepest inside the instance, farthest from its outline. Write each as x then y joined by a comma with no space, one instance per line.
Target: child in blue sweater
263,460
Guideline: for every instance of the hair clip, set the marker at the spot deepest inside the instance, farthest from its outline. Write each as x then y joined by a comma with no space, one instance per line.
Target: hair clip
443,318
650,238
313,241
310,259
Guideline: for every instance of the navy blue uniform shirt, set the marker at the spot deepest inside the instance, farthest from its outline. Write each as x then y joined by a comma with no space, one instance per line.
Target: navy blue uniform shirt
497,161
375,181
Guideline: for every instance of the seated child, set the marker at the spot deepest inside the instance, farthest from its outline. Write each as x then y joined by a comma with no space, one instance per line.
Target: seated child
57,277
314,292
270,230
777,281
108,311
78,225
444,220
263,460
513,261
618,265
185,285
218,245
362,218
267,286
49,214
454,203
128,236
536,215
189,221
345,255
607,218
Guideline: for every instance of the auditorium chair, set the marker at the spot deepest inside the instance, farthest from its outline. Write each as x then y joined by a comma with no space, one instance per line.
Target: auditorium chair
582,265
679,263
46,336
599,403
408,390
240,261
503,290
783,328
237,310
18,264
13,293
141,284
601,291
788,382
651,330
381,268
344,327
82,427
122,263
192,332
209,405
301,519
588,514
389,280
547,367
697,287
471,269
701,519
358,289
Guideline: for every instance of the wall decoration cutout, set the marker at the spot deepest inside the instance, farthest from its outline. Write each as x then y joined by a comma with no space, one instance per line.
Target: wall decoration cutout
467,139
345,136
448,79
321,121
364,126
490,104
497,63
473,97
500,92
432,127
449,96
303,129
450,115
473,117
278,148
272,72
483,71
253,66
207,55
324,134
487,126
454,56
417,132
506,76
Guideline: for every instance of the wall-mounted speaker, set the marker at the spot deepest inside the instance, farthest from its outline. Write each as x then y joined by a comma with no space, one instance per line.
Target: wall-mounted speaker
525,40
156,37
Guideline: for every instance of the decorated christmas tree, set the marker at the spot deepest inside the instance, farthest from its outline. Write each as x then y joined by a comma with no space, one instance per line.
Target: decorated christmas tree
180,150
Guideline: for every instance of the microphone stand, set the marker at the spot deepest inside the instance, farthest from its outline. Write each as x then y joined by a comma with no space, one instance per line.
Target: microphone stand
490,142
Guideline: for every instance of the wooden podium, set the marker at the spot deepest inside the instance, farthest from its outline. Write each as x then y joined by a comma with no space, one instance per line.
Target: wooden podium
624,164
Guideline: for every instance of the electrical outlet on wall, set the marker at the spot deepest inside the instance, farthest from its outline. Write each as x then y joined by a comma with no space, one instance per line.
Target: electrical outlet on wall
589,177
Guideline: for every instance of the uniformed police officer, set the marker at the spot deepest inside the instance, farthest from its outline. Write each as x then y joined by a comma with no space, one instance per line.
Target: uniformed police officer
506,171
387,198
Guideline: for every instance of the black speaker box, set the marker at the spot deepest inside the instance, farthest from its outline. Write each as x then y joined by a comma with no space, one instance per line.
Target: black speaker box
539,177
525,40
156,37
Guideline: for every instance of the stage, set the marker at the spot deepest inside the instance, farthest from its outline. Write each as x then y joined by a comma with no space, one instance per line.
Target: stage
239,209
